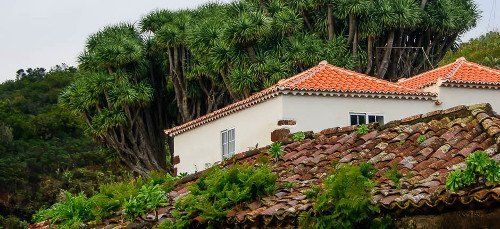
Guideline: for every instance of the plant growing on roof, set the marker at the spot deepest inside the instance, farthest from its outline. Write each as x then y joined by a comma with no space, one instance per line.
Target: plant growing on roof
421,138
480,168
149,197
70,213
344,201
362,129
219,190
394,175
299,136
289,184
182,174
276,150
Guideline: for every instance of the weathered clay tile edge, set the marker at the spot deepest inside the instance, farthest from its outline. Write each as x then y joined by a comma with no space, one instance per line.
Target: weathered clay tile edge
482,115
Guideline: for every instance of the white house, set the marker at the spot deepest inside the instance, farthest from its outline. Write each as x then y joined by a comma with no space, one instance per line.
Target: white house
327,96
459,83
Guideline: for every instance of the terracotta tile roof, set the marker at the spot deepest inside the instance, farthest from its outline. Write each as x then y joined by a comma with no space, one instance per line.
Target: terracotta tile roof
461,71
323,78
451,135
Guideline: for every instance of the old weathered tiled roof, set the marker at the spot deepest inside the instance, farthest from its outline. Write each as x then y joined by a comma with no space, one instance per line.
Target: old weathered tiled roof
451,135
460,72
322,79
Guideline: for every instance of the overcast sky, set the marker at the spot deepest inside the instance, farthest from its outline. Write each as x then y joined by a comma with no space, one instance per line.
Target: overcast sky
43,33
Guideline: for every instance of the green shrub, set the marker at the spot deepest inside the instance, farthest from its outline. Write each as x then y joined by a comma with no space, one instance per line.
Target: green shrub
312,192
149,197
299,136
421,139
394,175
289,184
165,180
120,191
276,150
344,201
216,192
480,168
136,197
104,206
183,174
167,224
12,222
69,213
362,129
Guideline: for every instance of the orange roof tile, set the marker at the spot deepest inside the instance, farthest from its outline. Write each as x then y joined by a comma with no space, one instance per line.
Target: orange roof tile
322,78
461,71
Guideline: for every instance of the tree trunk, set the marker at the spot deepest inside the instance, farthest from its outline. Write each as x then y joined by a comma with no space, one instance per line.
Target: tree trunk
449,42
395,57
306,20
330,22
355,42
423,3
177,74
251,53
352,24
387,55
369,63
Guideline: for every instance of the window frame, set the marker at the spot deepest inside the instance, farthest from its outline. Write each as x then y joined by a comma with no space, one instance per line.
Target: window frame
367,117
227,145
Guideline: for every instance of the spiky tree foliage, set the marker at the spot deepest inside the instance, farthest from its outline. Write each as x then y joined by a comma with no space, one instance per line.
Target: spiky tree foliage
117,94
206,58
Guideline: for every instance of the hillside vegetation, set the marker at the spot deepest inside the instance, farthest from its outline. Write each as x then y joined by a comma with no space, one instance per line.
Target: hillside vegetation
484,50
42,146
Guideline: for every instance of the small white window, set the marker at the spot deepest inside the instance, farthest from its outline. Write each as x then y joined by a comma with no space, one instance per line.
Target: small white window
228,143
364,118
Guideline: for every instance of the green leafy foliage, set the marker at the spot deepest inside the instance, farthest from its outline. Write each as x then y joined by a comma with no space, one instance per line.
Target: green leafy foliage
312,192
135,197
183,174
480,168
216,192
69,213
362,129
299,136
344,201
421,139
289,184
276,150
12,221
149,197
484,50
43,148
394,175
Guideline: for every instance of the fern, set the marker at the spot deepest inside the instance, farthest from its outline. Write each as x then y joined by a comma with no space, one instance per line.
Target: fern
344,201
215,193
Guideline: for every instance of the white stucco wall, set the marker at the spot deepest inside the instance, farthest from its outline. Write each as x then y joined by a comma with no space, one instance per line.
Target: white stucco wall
253,125
317,113
202,145
454,96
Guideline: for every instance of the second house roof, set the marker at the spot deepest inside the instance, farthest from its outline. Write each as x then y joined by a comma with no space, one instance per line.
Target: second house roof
461,71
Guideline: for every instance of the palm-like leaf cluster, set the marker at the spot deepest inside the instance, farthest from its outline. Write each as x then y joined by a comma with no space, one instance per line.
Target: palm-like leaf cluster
191,62
115,92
